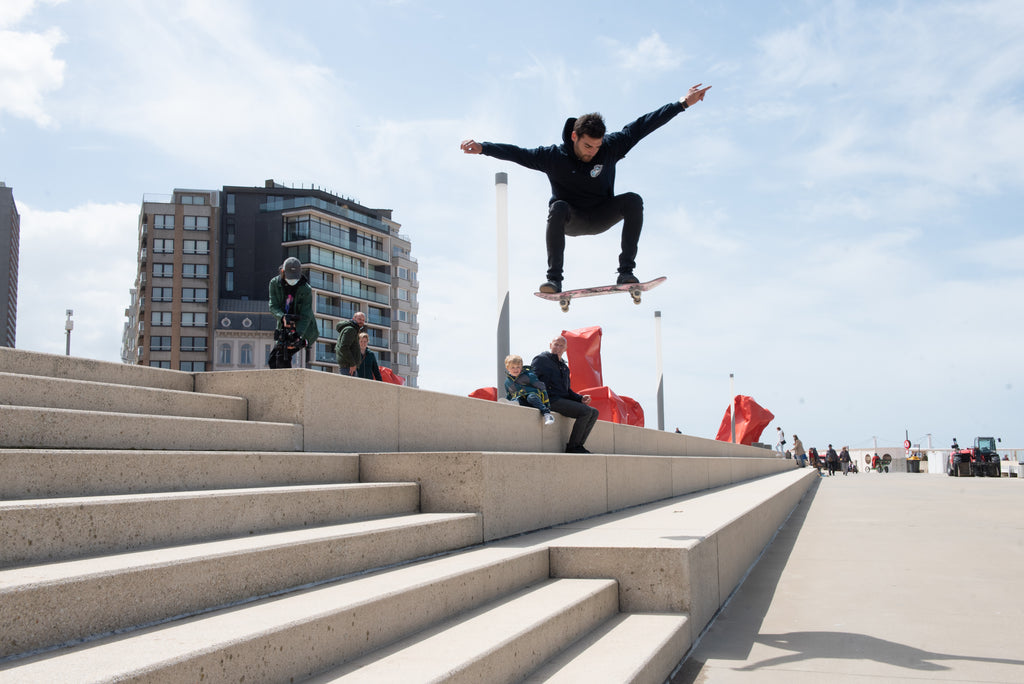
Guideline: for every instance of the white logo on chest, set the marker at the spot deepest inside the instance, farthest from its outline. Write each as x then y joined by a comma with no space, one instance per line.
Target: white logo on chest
596,171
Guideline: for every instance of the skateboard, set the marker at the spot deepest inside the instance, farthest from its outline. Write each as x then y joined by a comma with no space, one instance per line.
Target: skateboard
634,290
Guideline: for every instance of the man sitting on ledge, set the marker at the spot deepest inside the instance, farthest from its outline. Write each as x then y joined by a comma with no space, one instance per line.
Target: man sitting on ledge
554,373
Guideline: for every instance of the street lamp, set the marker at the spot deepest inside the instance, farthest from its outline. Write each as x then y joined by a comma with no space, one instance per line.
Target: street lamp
69,325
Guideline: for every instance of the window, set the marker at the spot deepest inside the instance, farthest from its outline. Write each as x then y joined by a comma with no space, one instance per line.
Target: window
229,281
231,203
229,257
225,354
193,344
192,199
192,320
403,294
194,271
245,355
403,338
197,222
160,318
163,294
163,270
160,343
402,315
230,233
160,364
403,359
163,222
194,294
195,247
163,246
403,273
192,366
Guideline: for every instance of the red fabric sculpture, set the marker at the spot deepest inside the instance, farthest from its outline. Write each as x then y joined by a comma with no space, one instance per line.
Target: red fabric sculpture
751,420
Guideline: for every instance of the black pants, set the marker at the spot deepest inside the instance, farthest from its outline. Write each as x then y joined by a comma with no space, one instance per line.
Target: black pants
585,417
565,219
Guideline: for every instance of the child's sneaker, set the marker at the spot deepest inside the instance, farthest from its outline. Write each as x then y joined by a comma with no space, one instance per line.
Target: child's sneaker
549,419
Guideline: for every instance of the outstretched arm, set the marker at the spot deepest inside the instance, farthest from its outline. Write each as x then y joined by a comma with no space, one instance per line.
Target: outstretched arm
471,147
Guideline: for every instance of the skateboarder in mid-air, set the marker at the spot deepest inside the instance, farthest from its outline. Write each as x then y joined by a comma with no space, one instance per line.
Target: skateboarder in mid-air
582,175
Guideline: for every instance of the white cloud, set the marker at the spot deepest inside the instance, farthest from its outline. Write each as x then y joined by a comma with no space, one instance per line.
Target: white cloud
651,55
29,68
82,259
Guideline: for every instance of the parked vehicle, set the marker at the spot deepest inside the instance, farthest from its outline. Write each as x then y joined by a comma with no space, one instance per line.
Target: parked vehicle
981,460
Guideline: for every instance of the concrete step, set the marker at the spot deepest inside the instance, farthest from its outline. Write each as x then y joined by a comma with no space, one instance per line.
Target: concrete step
499,642
54,428
47,605
46,530
18,389
640,648
49,473
297,635
77,368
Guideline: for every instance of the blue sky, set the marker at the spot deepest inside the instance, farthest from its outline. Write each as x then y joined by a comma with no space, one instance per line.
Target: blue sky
840,220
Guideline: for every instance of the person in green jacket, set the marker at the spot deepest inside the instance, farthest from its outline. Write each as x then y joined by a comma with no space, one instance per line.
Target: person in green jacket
347,347
291,302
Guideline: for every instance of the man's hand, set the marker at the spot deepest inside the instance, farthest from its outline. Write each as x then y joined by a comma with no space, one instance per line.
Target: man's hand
471,147
695,95
585,399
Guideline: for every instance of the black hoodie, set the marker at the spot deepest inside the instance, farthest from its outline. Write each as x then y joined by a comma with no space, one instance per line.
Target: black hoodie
583,184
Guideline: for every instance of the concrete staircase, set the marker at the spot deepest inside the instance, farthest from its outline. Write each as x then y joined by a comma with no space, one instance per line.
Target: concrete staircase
155,533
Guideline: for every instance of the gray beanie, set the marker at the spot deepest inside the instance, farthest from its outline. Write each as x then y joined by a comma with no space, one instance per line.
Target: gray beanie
292,268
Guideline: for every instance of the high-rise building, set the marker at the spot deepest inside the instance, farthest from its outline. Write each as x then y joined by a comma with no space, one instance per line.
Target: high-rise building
10,241
173,300
354,257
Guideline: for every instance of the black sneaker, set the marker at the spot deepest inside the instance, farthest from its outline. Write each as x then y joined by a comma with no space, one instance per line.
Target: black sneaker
626,279
551,286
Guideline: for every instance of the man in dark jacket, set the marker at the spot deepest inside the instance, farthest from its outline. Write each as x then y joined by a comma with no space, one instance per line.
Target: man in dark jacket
554,373
347,347
291,302
582,175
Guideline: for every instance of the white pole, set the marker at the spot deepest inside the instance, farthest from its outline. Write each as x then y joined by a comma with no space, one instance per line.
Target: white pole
501,189
732,408
661,376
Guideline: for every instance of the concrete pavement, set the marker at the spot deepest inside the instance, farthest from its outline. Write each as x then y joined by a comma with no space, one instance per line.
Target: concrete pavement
880,578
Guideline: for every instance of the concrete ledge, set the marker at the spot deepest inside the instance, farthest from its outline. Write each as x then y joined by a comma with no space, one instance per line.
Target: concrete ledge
519,492
46,473
77,368
349,414
42,530
49,428
44,606
32,390
685,555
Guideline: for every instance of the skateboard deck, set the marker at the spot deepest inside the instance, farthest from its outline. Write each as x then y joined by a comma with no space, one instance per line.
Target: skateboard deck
634,290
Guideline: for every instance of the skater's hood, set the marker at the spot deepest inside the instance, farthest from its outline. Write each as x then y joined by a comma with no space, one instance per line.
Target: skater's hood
567,132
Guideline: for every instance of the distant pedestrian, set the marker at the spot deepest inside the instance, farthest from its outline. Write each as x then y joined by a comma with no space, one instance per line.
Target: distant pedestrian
798,452
844,459
780,440
831,460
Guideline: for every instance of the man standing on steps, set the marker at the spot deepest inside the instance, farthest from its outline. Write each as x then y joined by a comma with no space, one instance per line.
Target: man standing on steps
582,175
554,373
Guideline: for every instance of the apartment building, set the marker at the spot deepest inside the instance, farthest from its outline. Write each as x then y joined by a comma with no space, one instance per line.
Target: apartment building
173,302
355,258
10,244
